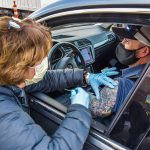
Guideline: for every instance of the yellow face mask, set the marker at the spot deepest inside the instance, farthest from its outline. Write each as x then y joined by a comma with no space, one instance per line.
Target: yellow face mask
40,71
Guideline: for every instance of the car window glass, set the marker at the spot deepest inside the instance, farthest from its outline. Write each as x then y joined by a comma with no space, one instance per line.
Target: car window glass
133,125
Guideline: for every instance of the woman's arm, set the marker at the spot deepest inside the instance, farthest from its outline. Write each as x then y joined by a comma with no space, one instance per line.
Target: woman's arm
19,131
58,80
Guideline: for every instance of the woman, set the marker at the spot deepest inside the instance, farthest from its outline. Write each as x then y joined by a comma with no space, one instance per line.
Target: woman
23,69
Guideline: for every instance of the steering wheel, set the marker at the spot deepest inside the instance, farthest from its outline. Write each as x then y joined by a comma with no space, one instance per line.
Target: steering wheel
68,60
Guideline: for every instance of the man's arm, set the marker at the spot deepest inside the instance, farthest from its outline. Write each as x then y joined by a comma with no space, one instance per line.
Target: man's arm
103,106
57,80
111,99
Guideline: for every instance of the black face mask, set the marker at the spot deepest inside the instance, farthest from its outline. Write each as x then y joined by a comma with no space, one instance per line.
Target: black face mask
125,56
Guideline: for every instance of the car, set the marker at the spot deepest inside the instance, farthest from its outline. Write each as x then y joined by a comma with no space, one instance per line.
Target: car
82,38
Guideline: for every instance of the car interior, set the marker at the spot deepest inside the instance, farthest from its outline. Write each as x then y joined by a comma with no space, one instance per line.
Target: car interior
92,51
88,46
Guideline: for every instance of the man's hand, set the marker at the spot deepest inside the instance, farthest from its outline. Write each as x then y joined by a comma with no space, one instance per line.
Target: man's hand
80,96
95,80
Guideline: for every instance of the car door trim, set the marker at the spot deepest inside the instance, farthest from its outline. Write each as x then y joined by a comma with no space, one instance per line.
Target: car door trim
97,10
58,108
109,142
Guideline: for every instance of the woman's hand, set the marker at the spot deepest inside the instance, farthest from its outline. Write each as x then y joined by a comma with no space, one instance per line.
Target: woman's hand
80,96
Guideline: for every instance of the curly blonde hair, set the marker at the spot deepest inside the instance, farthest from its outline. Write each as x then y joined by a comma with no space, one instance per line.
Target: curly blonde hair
21,48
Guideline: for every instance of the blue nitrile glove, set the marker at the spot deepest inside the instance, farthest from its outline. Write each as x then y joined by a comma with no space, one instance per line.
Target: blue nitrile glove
95,80
80,96
110,71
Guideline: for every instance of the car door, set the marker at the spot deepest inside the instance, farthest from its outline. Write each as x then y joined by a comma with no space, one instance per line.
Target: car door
129,129
49,113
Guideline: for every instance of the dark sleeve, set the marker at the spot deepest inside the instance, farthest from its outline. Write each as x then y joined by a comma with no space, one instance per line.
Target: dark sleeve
74,130
57,80
18,130
124,87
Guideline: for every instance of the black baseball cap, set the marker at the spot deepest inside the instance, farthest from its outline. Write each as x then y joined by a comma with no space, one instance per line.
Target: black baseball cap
140,33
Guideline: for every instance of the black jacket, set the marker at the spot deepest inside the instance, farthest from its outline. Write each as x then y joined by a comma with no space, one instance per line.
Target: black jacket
18,131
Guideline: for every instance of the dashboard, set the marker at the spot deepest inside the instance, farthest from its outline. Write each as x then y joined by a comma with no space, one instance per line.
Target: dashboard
90,44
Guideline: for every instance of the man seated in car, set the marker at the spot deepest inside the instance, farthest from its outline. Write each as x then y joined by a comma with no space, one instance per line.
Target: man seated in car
133,51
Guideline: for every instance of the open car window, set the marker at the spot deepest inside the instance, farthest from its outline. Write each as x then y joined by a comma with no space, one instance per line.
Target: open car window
95,41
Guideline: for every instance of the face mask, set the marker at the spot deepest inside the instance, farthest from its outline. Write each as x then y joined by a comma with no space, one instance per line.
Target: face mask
126,57
40,71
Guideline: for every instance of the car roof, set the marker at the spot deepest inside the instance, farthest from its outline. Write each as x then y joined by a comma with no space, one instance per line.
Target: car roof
59,5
